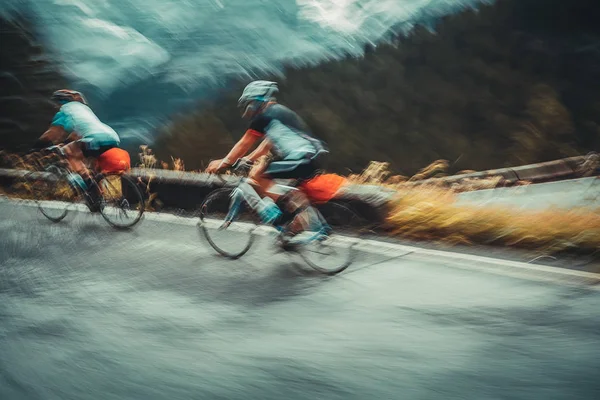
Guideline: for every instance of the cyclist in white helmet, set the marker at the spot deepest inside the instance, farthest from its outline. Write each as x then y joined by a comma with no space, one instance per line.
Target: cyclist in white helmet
296,154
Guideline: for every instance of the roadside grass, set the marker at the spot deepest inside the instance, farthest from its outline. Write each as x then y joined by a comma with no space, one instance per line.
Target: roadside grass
430,212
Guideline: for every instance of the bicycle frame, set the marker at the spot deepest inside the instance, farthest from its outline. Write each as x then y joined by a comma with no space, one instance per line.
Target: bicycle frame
321,243
282,189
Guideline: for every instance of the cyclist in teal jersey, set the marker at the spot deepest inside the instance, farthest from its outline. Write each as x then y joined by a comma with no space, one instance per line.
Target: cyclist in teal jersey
87,135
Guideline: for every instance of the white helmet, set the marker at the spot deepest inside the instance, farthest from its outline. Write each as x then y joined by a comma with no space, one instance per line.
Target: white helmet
258,91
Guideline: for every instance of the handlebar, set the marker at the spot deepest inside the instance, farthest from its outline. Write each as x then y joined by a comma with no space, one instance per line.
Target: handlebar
56,149
241,166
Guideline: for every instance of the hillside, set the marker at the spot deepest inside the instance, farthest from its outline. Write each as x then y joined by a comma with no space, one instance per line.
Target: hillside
514,82
28,76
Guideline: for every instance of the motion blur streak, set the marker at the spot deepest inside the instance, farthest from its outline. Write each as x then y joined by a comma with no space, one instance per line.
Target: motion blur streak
90,313
193,45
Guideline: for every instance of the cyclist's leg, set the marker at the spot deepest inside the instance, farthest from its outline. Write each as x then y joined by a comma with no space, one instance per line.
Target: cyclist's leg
265,208
262,193
256,174
76,159
249,190
277,196
291,199
263,176
262,182
92,147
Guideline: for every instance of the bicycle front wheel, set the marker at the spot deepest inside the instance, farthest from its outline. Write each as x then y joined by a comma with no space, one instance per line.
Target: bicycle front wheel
122,204
51,190
334,252
227,226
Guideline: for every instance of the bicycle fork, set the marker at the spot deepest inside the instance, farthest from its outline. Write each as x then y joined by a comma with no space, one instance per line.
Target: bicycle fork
235,204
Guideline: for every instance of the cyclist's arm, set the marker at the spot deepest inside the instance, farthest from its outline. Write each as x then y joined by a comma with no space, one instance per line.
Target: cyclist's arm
241,147
239,150
60,127
53,135
260,151
73,137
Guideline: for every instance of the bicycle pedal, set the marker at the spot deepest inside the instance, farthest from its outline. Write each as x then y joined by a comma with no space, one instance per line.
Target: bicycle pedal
284,244
288,246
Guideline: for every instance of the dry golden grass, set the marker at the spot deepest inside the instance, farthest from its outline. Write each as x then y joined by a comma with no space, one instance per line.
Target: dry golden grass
147,159
28,162
111,187
40,190
428,213
178,164
375,173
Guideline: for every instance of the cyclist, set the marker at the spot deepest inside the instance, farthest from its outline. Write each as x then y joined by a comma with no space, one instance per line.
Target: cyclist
296,154
86,134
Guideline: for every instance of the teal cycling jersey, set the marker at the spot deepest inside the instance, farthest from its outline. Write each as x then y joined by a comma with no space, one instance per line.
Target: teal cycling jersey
79,118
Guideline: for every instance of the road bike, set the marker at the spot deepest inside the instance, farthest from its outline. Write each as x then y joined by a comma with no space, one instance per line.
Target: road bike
51,185
233,235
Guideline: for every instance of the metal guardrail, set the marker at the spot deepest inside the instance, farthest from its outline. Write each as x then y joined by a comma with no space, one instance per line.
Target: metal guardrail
186,190
566,168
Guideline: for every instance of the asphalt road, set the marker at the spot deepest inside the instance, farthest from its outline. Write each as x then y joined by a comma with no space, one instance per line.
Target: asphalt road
91,313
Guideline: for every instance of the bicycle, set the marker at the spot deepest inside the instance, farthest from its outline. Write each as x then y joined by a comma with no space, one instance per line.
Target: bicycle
215,218
50,186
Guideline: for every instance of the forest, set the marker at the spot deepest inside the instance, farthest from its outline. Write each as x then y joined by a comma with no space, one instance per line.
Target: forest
28,75
514,82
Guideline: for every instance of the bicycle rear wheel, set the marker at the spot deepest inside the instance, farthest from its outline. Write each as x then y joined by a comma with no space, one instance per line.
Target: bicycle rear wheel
335,252
122,204
52,191
230,238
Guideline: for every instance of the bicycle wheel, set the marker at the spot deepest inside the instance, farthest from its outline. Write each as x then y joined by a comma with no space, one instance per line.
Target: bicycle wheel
122,203
51,190
230,238
335,252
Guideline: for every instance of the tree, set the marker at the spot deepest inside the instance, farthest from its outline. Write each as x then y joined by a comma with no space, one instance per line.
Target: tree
490,88
28,76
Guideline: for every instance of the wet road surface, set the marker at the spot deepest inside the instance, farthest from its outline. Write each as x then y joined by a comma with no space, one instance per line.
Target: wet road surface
90,313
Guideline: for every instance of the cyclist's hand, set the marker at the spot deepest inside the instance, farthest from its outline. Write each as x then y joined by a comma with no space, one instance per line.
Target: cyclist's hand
244,164
53,149
39,145
213,166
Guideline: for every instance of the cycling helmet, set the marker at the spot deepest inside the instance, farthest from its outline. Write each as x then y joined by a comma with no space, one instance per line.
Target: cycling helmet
257,91
65,95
